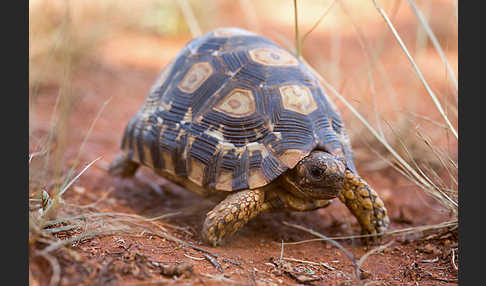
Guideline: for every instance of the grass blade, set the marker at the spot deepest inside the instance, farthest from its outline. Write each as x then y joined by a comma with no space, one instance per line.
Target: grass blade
434,41
417,70
77,176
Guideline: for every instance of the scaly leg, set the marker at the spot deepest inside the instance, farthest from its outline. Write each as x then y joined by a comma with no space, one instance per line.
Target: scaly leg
365,205
231,214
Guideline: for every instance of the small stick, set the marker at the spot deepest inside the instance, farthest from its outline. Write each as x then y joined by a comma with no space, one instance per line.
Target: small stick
213,262
327,266
213,254
453,259
187,244
195,258
62,228
301,261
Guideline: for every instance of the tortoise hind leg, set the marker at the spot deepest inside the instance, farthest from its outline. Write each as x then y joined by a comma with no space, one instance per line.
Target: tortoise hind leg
231,214
365,205
122,166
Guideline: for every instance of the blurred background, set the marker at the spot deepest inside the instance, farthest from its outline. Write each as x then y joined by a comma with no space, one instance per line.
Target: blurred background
92,63
82,53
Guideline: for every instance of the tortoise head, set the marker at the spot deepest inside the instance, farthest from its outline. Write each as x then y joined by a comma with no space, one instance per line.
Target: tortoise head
319,175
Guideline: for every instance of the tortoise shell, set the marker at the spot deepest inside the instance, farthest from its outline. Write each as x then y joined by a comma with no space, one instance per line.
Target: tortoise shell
233,111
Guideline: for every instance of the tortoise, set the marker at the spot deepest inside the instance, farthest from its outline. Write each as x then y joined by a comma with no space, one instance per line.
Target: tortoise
236,117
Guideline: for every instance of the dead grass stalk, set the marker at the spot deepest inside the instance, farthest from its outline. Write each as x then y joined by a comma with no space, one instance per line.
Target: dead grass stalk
435,42
416,68
356,263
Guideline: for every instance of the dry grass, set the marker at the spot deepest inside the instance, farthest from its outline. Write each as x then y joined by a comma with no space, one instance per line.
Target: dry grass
64,36
427,176
421,146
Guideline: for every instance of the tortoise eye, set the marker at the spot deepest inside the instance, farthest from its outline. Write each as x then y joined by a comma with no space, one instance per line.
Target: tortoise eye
316,172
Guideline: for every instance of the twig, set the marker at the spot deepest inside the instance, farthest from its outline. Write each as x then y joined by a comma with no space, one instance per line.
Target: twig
281,252
454,259
213,262
431,260
62,228
184,243
327,266
213,254
195,258
301,261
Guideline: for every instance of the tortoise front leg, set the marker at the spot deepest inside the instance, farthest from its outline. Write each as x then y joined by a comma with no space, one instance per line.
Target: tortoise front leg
365,205
231,214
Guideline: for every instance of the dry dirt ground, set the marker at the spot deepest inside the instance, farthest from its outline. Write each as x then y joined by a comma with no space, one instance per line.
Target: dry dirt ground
122,73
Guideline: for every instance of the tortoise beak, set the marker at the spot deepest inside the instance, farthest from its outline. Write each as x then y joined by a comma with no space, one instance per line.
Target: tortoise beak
325,192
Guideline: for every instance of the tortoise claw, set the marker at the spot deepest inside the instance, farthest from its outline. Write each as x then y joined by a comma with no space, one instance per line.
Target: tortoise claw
366,206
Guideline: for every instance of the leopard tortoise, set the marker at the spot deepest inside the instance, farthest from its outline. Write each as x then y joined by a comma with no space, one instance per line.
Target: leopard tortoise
237,117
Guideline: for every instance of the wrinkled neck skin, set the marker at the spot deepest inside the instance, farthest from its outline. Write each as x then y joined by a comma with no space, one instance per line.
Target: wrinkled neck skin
320,175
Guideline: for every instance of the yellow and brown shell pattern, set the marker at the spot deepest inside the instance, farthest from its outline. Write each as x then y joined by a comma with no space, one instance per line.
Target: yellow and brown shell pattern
233,111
